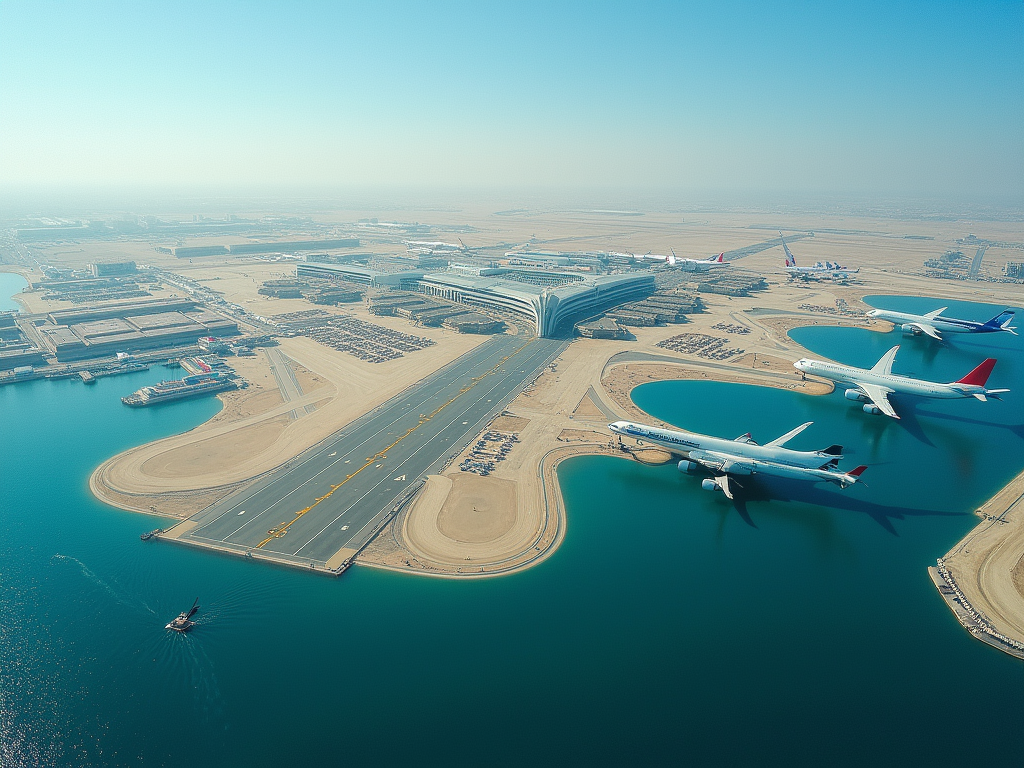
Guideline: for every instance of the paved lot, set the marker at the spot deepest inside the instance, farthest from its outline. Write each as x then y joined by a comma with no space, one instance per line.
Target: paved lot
335,494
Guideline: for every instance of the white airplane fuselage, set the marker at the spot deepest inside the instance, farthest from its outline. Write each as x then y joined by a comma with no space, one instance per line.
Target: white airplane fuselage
686,443
822,270
942,324
714,460
905,385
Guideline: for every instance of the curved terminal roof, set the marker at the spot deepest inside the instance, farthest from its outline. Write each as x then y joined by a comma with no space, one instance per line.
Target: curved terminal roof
547,307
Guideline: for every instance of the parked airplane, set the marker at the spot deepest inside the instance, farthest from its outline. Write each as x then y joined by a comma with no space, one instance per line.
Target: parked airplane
821,268
697,265
933,324
873,387
726,459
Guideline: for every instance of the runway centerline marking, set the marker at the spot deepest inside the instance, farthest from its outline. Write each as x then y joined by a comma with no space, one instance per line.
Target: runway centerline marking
404,462
311,458
280,530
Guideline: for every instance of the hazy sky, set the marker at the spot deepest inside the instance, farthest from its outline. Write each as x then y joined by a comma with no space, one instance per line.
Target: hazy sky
888,98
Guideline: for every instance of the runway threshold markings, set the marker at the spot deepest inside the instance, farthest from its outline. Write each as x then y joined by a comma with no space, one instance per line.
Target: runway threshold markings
280,530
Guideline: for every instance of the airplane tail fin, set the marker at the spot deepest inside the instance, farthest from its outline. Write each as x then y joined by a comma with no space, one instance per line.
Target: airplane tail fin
719,259
857,471
834,450
1002,322
790,258
979,375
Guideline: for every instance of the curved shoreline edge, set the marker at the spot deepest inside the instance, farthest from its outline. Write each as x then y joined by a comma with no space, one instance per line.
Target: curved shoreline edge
549,536
982,577
986,593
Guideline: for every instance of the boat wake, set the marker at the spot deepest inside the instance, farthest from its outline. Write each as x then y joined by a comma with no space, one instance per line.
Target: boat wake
114,591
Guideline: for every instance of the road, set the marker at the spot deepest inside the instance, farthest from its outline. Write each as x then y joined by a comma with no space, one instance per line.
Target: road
287,384
335,495
976,262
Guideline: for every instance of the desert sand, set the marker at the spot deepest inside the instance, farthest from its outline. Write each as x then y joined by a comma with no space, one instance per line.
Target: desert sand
565,411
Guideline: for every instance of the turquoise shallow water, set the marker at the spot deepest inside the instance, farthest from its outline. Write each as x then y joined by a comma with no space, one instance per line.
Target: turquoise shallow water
10,283
666,629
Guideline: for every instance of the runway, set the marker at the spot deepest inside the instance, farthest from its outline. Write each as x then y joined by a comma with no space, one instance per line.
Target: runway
335,495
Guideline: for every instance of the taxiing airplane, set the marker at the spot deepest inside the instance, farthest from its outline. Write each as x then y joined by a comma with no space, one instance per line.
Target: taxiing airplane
819,269
697,265
726,459
873,386
427,247
687,265
934,325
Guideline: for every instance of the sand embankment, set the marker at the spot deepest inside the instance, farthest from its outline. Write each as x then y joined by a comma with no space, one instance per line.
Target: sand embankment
461,524
987,565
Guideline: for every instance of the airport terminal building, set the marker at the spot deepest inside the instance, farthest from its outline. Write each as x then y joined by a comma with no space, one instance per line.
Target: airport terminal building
565,297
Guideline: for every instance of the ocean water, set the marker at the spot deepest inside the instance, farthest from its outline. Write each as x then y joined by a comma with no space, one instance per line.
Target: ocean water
10,284
669,628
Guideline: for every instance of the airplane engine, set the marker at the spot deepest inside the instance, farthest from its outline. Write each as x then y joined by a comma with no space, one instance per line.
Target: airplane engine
910,330
709,485
687,466
874,410
856,394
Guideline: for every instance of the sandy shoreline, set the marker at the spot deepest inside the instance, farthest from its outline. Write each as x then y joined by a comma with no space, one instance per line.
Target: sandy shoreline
987,566
565,411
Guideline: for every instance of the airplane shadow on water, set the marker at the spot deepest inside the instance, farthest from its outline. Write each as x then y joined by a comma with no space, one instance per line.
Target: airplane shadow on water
765,489
909,409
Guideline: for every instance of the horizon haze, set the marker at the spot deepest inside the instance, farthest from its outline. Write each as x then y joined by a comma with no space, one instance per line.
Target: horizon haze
920,100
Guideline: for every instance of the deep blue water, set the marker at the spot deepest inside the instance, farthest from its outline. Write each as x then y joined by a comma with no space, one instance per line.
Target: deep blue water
666,629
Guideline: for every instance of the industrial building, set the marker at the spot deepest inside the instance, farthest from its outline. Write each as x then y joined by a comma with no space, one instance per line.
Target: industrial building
281,246
100,331
362,275
113,268
293,245
604,328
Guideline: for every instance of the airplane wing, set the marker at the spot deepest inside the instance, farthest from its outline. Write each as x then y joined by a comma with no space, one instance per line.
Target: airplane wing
781,441
722,481
879,396
931,330
884,365
936,313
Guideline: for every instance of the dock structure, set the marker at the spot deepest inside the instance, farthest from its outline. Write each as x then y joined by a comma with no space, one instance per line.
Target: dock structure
321,508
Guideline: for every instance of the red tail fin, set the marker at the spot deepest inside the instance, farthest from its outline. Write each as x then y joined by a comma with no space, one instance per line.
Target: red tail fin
979,375
721,258
857,471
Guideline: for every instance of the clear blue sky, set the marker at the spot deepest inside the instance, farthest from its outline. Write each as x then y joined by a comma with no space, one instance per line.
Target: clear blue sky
888,98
